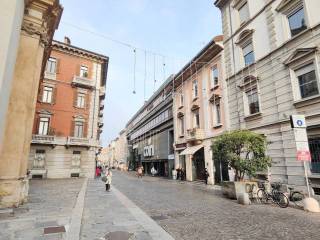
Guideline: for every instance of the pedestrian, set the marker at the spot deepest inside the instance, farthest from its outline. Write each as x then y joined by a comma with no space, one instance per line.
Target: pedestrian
98,172
139,172
153,171
182,174
109,179
178,174
206,175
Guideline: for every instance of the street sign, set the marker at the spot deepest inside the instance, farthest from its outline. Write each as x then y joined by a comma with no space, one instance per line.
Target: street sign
298,121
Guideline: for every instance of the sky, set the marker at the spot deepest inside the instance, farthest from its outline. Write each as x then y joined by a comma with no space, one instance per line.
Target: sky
146,41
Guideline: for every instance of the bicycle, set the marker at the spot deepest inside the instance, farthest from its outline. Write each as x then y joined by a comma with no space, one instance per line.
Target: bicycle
296,197
275,195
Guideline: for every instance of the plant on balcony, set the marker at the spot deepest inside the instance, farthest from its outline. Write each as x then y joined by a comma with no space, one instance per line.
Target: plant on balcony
242,150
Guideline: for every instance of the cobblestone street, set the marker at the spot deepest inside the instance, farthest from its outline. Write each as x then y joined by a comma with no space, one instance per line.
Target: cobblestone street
192,212
148,208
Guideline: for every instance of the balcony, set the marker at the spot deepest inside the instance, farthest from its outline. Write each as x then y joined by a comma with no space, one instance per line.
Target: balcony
49,75
195,134
82,82
42,139
101,105
102,92
75,141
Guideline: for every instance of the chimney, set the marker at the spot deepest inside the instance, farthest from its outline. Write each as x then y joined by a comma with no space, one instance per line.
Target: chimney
67,40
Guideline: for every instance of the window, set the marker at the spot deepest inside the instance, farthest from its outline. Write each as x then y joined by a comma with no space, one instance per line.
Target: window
248,54
84,71
39,159
47,94
215,77
195,88
216,114
43,126
181,99
297,22
196,119
307,81
76,159
78,129
244,13
181,123
81,100
253,101
51,65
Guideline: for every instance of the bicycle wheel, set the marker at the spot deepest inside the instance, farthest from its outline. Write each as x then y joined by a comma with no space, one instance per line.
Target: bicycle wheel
280,199
297,199
262,196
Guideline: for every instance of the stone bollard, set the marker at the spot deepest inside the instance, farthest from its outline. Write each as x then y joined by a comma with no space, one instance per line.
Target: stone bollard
243,198
311,205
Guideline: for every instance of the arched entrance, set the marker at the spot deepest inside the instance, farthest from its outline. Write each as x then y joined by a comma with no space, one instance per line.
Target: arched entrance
198,165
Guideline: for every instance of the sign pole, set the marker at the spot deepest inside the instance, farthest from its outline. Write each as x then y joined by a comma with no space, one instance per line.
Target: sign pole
306,176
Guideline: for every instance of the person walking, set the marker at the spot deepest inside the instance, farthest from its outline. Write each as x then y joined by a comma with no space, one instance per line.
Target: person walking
109,179
153,171
206,175
139,172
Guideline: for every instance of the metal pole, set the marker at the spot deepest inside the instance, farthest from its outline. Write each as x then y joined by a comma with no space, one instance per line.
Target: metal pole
306,176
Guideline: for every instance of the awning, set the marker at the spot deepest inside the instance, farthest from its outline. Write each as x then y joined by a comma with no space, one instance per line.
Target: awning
191,150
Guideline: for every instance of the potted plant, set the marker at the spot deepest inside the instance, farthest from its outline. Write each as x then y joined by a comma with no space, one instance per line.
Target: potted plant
243,151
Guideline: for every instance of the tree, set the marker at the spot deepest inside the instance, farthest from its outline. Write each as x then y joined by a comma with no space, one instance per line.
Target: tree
242,150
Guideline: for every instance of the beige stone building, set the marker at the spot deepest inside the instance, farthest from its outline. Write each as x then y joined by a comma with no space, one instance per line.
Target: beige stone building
200,112
27,28
121,150
272,71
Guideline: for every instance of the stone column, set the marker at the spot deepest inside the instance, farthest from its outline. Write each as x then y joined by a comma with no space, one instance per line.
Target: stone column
37,30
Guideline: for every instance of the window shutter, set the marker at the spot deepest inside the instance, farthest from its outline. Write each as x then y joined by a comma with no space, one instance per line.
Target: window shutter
78,70
36,130
54,95
57,65
72,128
85,129
40,93
87,103
75,97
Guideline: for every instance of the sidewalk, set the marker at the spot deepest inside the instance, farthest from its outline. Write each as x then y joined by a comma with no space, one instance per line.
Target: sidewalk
50,205
108,214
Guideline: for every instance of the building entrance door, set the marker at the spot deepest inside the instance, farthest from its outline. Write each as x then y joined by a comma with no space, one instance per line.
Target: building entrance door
198,165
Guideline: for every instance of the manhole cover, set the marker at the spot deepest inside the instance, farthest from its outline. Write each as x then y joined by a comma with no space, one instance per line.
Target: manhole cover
58,229
159,217
118,236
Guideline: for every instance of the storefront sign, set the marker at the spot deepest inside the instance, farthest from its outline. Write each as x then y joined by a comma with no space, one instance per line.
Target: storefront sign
148,151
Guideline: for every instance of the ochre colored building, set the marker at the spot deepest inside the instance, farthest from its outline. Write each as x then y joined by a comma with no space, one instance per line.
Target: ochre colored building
68,119
27,28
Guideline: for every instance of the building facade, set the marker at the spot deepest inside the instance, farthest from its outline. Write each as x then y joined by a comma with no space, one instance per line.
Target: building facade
150,133
68,118
121,150
272,71
199,112
27,28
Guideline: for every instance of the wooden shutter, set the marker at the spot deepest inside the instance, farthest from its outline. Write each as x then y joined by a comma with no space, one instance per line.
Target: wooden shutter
85,129
87,99
40,93
75,97
54,95
78,70
57,65
72,128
